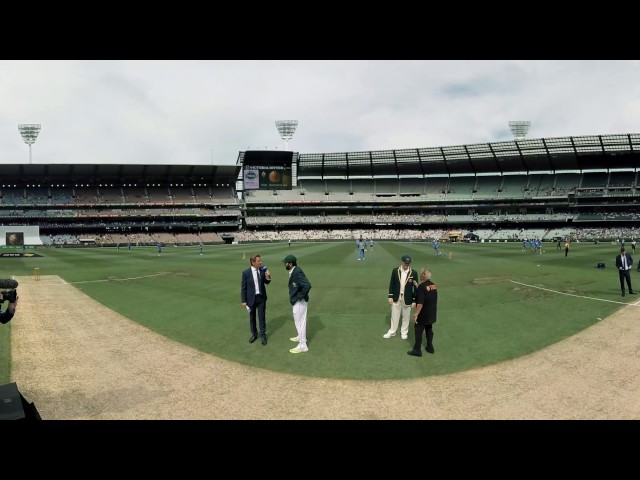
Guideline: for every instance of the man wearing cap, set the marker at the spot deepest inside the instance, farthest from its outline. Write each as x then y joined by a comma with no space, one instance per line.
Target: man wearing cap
402,296
299,287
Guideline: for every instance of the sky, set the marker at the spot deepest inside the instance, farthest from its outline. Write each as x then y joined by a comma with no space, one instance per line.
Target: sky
205,112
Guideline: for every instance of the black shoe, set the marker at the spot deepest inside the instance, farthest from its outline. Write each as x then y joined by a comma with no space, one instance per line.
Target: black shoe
630,292
263,339
253,338
623,293
430,349
414,353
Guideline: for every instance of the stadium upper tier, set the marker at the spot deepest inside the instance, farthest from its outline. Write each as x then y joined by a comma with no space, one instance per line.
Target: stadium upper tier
556,154
116,175
528,155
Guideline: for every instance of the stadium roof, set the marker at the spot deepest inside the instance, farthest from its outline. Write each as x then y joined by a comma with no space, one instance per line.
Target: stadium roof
118,173
583,153
528,155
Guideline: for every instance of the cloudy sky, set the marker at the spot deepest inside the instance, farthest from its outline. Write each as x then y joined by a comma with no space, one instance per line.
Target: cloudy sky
205,112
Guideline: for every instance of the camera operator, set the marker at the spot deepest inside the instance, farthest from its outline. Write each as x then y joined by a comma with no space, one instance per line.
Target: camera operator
6,315
11,296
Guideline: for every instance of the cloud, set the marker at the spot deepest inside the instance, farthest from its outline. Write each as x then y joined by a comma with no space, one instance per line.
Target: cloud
202,112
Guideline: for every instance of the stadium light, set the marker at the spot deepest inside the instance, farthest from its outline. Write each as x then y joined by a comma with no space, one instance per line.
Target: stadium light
29,132
286,128
519,128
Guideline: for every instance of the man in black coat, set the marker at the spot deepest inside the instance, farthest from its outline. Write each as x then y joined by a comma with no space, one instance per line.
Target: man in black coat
253,295
624,263
426,312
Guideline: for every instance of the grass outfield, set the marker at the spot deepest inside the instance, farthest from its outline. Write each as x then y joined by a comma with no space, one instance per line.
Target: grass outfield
489,310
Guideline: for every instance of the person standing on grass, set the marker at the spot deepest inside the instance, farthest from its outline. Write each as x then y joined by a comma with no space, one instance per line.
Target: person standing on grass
402,296
566,248
624,261
10,295
426,313
253,295
299,287
361,245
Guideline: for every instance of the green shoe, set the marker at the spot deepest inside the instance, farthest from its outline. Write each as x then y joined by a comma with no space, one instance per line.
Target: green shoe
298,350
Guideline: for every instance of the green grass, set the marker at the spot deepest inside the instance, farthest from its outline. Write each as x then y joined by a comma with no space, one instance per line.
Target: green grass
483,316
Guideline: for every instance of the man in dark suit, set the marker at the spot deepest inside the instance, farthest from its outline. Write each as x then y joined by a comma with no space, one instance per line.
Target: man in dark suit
253,295
624,263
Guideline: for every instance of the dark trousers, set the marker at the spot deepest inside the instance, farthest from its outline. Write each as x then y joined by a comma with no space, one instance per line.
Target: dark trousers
260,305
625,275
419,328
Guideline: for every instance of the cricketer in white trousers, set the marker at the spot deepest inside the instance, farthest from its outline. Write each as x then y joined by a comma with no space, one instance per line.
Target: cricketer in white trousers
300,320
396,309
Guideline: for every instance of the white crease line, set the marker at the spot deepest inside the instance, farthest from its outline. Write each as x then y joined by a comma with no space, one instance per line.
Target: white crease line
578,296
119,279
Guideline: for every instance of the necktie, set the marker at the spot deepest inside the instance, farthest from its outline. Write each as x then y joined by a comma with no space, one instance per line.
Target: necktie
256,282
624,262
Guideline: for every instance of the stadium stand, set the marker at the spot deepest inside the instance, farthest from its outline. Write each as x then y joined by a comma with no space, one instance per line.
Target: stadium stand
505,190
578,187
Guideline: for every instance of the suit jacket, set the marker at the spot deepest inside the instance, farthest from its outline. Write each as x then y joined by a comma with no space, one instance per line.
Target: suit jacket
248,288
619,260
299,286
408,288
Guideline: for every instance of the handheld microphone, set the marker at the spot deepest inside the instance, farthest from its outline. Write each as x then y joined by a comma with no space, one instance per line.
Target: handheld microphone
263,268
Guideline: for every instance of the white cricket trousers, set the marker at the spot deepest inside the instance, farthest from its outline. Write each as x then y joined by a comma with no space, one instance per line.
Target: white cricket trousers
300,319
396,309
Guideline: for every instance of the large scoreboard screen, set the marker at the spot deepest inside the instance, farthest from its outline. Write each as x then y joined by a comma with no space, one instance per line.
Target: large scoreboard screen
267,170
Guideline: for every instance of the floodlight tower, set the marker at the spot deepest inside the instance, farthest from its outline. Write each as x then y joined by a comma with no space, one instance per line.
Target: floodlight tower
286,128
29,132
519,129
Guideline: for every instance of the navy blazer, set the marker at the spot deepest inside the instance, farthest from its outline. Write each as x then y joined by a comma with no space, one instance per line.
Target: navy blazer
248,288
619,260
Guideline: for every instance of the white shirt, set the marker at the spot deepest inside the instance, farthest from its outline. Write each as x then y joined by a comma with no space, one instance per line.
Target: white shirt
255,273
624,262
403,279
